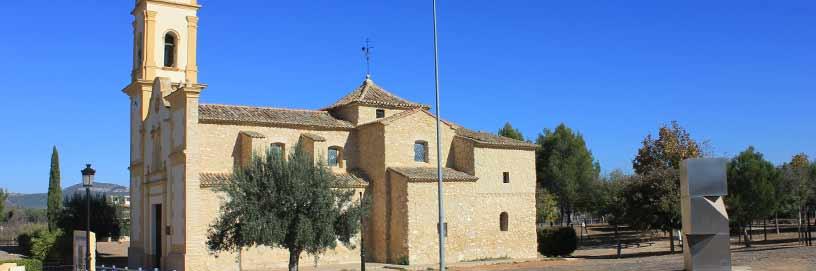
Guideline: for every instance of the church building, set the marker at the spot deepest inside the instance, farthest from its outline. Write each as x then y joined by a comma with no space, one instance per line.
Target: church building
181,149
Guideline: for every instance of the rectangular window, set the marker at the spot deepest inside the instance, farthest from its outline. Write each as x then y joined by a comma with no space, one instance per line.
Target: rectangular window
277,148
421,151
333,154
380,113
506,177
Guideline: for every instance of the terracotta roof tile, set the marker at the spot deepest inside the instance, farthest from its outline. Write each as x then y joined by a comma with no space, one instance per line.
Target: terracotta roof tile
266,116
253,134
491,140
428,174
354,179
211,179
370,93
314,137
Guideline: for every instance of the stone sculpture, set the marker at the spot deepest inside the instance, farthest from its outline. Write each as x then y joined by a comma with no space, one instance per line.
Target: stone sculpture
706,244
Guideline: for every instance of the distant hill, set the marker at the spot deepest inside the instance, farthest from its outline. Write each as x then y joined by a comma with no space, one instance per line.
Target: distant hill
38,200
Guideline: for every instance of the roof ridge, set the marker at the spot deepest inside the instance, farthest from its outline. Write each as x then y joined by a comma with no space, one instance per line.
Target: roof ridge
364,90
268,107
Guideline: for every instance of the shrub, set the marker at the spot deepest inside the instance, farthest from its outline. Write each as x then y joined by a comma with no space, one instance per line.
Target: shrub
44,244
24,238
30,264
560,241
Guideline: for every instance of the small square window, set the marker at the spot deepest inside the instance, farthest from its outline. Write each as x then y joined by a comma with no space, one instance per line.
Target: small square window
506,177
380,113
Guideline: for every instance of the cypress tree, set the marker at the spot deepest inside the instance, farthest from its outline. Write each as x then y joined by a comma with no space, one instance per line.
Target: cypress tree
54,191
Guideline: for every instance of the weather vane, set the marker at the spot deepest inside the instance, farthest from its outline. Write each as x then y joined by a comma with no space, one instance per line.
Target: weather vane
367,52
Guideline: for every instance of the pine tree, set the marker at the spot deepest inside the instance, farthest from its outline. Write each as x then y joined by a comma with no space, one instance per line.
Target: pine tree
751,185
293,203
566,168
509,131
54,191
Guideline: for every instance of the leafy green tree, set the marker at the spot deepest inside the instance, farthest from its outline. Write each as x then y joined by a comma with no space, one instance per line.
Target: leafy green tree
54,191
652,202
751,181
3,197
293,203
104,221
546,206
509,131
796,187
610,201
566,167
660,158
673,145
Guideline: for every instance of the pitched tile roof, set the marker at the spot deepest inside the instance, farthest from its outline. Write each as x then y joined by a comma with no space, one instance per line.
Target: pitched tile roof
314,137
491,140
370,93
405,113
428,174
355,178
211,179
253,134
267,116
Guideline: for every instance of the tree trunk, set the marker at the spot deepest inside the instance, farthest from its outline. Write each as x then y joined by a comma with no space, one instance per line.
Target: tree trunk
739,234
765,229
799,227
294,258
747,240
671,241
776,221
617,239
751,230
807,228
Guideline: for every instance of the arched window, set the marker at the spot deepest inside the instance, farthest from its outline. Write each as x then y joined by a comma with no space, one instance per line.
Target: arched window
503,221
335,157
421,151
169,50
278,149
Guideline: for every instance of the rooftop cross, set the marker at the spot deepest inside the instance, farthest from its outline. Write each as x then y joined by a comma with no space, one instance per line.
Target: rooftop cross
367,52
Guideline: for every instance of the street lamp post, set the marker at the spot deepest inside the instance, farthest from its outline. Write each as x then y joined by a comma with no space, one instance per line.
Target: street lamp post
87,182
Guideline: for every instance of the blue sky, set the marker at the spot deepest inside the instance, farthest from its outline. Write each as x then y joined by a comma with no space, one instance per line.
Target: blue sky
736,73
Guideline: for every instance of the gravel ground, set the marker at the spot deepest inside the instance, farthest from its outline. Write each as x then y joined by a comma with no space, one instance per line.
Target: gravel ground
775,255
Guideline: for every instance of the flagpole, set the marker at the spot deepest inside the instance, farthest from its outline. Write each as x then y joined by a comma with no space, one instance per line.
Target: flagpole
441,229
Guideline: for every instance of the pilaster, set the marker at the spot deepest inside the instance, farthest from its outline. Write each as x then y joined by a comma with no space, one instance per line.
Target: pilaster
191,72
149,66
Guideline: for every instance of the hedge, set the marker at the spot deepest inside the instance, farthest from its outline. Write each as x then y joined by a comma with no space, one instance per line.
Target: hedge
560,241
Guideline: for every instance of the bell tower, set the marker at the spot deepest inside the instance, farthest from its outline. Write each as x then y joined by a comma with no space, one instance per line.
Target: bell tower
164,45
164,56
164,35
